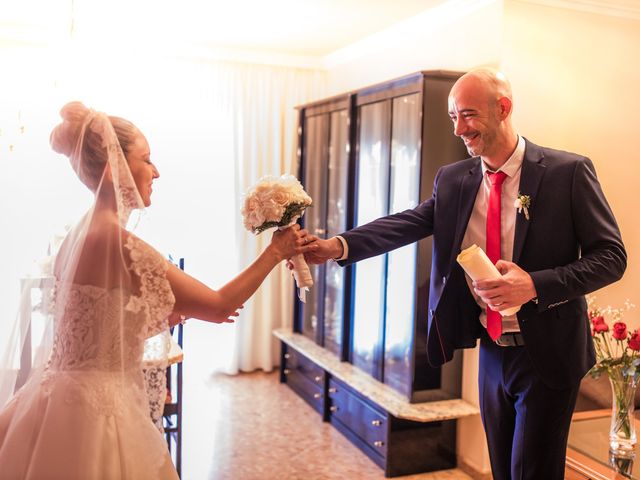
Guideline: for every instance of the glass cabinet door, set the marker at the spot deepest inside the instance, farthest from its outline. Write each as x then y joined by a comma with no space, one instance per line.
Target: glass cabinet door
371,203
404,194
338,173
315,183
363,157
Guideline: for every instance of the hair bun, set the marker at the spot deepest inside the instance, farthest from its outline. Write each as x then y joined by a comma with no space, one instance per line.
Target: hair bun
64,136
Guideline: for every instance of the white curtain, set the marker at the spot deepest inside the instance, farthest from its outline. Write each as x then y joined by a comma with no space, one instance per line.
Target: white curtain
261,101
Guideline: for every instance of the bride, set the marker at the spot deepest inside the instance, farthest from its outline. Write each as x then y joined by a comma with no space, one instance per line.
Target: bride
83,414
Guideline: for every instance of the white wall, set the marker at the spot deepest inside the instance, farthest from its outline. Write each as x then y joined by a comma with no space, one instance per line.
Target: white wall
456,35
575,79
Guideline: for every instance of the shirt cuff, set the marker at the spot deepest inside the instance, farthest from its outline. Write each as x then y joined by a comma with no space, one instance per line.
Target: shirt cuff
345,249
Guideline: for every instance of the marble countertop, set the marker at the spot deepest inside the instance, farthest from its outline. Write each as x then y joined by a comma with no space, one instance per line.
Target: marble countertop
381,394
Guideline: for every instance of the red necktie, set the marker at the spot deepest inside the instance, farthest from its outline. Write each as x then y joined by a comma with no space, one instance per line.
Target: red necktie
494,319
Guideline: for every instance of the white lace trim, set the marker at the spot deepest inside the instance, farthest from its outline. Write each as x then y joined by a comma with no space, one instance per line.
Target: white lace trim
155,381
155,291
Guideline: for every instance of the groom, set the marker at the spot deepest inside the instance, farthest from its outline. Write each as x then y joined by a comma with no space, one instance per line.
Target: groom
562,243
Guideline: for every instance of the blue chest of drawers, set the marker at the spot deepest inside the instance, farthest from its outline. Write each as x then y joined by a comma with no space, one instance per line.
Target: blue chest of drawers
426,441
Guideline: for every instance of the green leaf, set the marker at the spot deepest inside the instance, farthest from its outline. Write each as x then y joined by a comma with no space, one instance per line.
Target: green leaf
293,210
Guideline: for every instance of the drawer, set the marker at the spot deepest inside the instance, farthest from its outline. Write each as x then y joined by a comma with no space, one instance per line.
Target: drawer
311,392
368,423
294,360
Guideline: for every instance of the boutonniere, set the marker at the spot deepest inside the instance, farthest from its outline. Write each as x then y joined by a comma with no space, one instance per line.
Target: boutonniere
522,203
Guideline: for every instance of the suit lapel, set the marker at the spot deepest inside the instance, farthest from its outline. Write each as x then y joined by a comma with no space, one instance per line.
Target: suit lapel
533,170
468,191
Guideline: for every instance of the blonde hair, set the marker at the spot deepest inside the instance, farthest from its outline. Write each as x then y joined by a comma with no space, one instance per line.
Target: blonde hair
90,162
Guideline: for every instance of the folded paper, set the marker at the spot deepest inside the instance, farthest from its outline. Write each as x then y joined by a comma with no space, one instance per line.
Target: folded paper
478,266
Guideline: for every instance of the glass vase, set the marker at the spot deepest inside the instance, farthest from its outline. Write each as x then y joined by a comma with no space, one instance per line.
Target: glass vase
622,434
623,465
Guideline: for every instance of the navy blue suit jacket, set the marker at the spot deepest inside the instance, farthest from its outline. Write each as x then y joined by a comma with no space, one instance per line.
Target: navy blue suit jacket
570,246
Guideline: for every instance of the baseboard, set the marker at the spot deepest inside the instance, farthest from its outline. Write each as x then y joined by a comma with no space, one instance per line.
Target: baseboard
472,472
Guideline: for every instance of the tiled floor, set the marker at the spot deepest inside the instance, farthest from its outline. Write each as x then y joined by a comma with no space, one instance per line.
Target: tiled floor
250,427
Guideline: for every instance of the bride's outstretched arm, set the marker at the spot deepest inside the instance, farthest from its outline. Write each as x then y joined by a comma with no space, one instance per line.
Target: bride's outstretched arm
194,299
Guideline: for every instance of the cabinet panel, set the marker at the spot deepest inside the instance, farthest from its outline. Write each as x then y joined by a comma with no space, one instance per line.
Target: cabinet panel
373,183
336,207
325,173
404,194
314,176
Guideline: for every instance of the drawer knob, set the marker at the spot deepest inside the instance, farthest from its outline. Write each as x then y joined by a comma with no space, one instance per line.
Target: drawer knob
287,371
333,408
378,443
333,390
318,378
287,356
317,395
376,423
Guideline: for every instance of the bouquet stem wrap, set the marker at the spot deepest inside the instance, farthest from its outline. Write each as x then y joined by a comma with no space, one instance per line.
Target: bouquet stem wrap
279,202
302,275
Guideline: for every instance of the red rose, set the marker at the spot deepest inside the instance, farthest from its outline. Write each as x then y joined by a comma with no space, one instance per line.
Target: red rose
599,325
619,330
634,341
597,319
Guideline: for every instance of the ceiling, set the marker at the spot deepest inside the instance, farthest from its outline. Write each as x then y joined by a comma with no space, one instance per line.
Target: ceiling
294,27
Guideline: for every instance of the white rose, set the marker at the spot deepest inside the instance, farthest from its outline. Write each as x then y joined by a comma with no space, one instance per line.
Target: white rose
268,199
273,212
282,197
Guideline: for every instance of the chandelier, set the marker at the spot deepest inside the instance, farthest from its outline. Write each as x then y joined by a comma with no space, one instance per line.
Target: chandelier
12,130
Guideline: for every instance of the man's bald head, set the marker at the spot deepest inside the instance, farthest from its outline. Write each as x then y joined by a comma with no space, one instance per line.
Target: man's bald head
480,106
486,83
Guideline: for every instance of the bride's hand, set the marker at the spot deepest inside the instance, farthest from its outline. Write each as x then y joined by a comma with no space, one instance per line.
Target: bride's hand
227,318
291,241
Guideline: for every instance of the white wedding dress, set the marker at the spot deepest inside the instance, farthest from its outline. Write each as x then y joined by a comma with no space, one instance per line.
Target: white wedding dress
86,415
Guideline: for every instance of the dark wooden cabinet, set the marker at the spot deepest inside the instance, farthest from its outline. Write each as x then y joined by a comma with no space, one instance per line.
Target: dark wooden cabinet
366,154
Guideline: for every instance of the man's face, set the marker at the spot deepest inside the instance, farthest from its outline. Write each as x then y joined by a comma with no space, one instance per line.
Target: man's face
474,117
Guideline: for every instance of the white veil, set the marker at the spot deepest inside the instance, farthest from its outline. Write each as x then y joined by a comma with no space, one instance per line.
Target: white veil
95,255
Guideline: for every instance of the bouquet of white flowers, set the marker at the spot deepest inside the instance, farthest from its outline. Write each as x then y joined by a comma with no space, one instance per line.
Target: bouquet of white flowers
279,202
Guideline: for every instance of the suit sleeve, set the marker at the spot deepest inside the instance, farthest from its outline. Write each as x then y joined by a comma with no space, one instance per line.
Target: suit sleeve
603,258
393,231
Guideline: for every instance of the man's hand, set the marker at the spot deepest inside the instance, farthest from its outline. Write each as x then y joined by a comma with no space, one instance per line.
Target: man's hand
514,288
325,250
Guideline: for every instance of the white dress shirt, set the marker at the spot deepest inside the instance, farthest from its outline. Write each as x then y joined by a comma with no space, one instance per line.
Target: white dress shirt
476,228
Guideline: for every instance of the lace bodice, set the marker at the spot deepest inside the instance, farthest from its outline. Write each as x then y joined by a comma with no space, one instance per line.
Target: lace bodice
105,330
